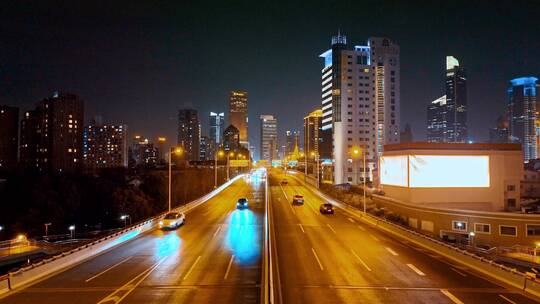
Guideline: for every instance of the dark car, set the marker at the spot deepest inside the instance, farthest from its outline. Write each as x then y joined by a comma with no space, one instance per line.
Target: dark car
326,208
284,182
298,200
242,203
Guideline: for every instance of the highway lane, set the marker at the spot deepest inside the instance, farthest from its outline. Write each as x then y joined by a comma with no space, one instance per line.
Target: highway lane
214,257
338,259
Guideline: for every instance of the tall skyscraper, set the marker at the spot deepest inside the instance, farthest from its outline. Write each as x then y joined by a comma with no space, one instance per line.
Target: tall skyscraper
360,102
205,149
269,142
238,114
523,115
216,127
456,101
314,138
189,133
9,137
51,135
436,120
105,146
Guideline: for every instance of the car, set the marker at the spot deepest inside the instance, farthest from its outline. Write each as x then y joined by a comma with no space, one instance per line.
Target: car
298,199
242,203
172,220
326,208
284,181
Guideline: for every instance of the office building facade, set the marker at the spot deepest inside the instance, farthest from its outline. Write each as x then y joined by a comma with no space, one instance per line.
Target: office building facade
216,127
523,115
436,120
360,103
238,114
231,139
456,102
269,141
189,133
105,146
52,134
9,137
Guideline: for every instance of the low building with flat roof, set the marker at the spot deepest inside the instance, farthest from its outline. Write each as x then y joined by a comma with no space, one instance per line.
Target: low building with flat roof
483,177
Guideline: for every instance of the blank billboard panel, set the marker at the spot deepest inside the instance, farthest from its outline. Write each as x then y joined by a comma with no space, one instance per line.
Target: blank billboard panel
446,171
394,170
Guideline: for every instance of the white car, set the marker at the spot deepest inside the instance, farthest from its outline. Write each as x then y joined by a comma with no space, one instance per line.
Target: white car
172,220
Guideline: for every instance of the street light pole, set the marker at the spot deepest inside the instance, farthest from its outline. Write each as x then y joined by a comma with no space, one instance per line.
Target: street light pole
215,169
170,177
364,178
318,169
47,229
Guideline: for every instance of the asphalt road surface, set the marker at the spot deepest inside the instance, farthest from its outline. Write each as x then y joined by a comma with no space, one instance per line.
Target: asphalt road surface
214,258
338,259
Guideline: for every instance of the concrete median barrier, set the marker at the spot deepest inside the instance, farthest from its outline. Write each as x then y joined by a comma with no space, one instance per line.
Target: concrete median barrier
61,262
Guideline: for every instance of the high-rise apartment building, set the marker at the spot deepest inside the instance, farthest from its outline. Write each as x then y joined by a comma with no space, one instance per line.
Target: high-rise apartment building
238,114
189,133
523,115
315,140
436,120
456,101
292,140
105,146
51,135
269,141
9,137
206,150
360,103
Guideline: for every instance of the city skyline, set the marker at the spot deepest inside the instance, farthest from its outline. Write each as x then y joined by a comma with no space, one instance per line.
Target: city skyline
124,97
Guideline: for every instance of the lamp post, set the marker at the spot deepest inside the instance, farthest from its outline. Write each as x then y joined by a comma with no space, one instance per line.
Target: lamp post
218,153
229,155
47,228
356,151
72,230
177,151
125,217
316,156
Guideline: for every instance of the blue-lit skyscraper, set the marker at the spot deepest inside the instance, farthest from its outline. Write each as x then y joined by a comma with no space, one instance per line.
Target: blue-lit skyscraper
216,127
523,115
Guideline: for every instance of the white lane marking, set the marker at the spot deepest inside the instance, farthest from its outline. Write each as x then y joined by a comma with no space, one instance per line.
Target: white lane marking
374,237
415,269
459,272
113,266
191,268
228,267
217,231
331,228
351,220
391,251
302,228
121,293
361,261
507,299
361,228
284,192
317,258
451,296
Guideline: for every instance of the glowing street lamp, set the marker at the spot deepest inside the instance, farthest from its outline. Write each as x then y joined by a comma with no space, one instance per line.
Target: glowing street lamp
229,155
124,217
217,154
178,151
356,152
72,230
1,228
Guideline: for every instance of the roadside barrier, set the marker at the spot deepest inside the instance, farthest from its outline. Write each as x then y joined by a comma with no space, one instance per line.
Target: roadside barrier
30,274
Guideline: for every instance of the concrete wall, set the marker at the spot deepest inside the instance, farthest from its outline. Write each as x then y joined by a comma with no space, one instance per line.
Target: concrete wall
440,221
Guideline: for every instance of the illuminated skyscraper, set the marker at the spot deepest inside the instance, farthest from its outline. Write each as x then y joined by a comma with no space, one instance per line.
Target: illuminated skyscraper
360,103
238,114
52,134
436,120
9,137
189,133
456,102
269,142
523,115
216,127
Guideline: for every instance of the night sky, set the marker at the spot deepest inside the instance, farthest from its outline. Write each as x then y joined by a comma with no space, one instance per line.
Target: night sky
140,63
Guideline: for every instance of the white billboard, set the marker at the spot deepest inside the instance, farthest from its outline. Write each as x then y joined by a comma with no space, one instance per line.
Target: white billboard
447,171
394,170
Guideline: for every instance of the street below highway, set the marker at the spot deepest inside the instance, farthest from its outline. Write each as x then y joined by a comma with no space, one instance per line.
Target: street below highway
214,258
339,259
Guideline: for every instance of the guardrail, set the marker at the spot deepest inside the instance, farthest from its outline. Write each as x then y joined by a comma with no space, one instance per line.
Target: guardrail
29,274
266,273
499,272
